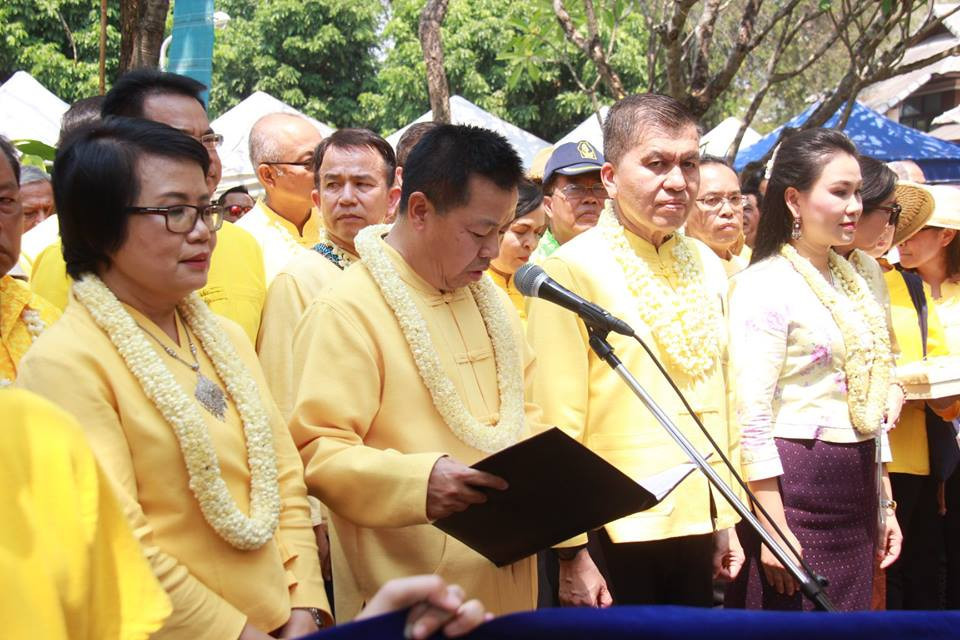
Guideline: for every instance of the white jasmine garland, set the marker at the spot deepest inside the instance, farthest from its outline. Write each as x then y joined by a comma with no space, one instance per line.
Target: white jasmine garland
685,323
867,361
486,438
180,410
35,324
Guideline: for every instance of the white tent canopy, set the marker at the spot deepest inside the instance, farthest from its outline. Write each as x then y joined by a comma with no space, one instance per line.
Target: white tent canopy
235,124
28,110
716,141
589,130
462,111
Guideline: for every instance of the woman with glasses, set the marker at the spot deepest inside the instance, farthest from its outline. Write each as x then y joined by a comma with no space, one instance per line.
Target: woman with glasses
170,395
717,220
812,373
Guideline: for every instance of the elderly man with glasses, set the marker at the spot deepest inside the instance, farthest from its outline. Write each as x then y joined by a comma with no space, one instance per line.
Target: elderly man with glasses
284,220
573,194
717,219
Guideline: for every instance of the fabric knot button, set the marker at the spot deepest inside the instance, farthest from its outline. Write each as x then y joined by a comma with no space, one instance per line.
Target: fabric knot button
475,355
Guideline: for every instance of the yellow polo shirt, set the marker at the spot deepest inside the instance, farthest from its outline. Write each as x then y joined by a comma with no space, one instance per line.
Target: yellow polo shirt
236,285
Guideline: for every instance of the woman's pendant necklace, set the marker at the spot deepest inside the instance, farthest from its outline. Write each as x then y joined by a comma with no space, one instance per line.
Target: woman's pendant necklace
207,392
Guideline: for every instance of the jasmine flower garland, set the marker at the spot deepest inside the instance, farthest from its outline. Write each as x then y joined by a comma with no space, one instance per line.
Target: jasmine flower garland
180,410
486,438
685,323
867,362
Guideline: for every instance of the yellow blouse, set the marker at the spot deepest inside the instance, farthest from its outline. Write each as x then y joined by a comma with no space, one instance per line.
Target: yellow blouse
16,330
235,285
369,435
279,238
908,441
215,588
506,283
579,393
70,568
948,306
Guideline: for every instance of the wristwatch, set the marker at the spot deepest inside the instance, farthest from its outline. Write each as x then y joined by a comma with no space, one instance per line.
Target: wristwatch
568,553
886,503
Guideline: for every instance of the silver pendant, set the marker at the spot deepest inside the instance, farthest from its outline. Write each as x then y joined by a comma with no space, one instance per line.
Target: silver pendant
211,396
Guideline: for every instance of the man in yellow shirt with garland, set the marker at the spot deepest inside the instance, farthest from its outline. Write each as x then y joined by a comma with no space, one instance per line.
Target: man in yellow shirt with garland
284,221
23,315
235,285
671,290
410,366
354,175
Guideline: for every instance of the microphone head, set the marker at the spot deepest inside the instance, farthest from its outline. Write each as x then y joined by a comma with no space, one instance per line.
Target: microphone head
528,279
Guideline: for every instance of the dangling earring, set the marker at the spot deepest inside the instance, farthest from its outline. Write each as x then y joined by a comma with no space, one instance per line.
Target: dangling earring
797,232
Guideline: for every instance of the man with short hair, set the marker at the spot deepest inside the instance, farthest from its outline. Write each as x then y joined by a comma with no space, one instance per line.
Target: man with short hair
235,283
397,366
354,176
573,194
671,290
283,220
717,220
36,196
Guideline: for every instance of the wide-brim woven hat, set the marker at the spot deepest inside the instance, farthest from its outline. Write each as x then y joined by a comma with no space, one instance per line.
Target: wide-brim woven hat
917,205
946,212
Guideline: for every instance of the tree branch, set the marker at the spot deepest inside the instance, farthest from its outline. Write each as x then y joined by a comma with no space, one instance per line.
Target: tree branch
592,47
431,41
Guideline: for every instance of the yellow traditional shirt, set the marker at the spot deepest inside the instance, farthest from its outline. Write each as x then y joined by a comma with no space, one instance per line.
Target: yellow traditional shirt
295,287
737,262
509,287
580,394
215,588
369,435
908,440
16,330
787,359
279,238
235,286
36,240
70,568
948,306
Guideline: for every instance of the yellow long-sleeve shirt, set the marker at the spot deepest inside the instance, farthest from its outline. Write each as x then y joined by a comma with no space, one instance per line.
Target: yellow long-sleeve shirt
215,588
15,334
369,435
70,568
579,393
236,286
280,239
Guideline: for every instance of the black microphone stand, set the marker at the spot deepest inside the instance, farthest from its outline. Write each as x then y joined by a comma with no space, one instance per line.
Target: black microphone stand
811,585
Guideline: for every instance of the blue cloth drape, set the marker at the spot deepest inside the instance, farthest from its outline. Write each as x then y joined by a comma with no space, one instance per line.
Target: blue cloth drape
191,50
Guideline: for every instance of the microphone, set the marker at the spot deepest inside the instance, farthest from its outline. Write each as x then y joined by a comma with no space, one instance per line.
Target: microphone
533,282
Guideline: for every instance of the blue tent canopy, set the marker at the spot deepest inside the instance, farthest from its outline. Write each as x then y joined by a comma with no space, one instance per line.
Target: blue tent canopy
878,137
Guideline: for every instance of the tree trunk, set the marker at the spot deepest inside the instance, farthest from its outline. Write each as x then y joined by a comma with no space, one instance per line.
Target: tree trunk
431,41
141,32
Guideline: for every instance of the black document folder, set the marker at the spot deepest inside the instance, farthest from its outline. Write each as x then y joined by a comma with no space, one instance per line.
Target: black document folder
558,489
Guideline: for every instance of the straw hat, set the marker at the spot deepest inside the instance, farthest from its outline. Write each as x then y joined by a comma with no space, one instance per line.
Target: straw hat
946,213
917,205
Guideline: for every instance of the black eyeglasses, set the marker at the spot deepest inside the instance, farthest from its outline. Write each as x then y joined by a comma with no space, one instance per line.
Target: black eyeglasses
182,218
894,210
298,163
579,192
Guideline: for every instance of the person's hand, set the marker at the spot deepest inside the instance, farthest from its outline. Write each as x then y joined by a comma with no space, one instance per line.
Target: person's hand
300,624
728,556
249,632
323,550
891,540
776,574
435,605
452,487
581,584
895,400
